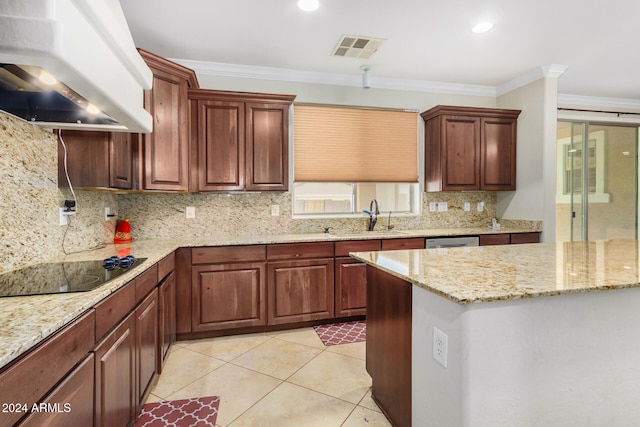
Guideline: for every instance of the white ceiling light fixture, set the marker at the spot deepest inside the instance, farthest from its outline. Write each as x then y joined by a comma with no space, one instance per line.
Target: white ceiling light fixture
366,77
308,5
482,27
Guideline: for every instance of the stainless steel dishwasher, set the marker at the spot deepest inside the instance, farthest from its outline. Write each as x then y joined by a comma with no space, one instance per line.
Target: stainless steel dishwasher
452,242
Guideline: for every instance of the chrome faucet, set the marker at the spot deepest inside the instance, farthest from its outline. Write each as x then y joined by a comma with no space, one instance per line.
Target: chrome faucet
373,214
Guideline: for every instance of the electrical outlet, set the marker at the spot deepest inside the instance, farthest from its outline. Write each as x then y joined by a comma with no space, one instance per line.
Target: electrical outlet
443,207
480,206
432,206
190,212
63,217
275,210
467,207
440,346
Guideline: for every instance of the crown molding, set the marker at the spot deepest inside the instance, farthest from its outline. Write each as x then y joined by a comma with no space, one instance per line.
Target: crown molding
300,76
314,77
552,70
616,104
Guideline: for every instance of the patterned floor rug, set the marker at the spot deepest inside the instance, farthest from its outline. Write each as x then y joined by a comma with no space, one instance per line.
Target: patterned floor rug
195,412
342,333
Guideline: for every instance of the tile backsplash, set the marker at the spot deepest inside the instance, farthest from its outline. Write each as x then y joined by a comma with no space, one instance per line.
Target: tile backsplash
163,215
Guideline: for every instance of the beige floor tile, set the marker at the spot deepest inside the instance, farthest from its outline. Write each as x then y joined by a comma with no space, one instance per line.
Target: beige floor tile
356,349
292,406
339,376
238,388
183,367
226,348
368,402
304,336
277,358
152,398
366,418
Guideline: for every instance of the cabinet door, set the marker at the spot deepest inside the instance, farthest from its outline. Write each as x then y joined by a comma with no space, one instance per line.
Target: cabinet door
267,141
146,342
115,377
165,149
120,160
167,321
498,146
221,145
72,400
87,158
351,287
461,153
226,296
300,291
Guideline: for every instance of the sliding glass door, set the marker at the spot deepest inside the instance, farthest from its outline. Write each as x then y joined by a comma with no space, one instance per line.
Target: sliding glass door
597,181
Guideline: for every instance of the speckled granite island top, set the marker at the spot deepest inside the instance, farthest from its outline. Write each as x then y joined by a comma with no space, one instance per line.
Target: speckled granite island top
497,273
25,321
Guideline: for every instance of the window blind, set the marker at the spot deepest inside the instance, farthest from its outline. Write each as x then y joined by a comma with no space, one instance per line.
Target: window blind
347,144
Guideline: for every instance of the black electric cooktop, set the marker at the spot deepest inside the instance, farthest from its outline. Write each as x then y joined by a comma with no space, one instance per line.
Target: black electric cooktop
63,277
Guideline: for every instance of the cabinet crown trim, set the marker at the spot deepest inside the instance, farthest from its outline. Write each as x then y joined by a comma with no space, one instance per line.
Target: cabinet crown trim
440,110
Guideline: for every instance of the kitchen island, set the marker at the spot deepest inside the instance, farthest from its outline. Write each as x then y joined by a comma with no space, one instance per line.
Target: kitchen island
533,335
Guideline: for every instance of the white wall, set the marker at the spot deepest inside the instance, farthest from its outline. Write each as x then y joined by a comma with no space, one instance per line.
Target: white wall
556,361
536,156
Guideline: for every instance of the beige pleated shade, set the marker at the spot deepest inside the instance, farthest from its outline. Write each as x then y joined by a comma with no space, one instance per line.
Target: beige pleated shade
347,144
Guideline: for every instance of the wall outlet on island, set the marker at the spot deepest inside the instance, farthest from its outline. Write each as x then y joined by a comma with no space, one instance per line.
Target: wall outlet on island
440,346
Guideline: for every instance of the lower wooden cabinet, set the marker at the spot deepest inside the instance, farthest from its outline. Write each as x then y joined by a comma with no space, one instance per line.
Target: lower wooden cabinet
167,320
146,315
226,296
351,287
115,376
509,239
71,402
300,290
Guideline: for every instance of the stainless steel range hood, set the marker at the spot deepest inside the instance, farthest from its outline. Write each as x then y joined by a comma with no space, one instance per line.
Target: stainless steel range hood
59,56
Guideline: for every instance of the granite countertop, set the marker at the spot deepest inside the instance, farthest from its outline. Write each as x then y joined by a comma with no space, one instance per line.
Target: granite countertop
497,273
25,321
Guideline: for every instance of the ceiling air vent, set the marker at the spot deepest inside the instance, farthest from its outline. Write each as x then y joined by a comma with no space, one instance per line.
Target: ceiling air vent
357,47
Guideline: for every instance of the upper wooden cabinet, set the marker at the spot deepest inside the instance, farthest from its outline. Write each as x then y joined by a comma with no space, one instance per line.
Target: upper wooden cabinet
239,141
469,148
165,151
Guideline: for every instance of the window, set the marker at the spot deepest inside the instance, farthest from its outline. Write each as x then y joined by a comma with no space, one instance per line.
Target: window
345,156
340,198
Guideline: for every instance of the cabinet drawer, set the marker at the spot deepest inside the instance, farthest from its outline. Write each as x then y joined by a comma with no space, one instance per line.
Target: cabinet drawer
33,375
226,254
299,250
343,248
495,239
410,243
533,237
146,282
166,265
113,308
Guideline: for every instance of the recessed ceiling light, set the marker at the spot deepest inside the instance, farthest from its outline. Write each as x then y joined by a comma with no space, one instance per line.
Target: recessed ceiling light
308,5
482,27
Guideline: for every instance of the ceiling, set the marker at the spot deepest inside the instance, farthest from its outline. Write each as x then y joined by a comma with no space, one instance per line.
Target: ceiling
427,41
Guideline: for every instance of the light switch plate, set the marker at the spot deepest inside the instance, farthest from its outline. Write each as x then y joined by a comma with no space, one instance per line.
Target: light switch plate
275,210
443,207
190,212
432,206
